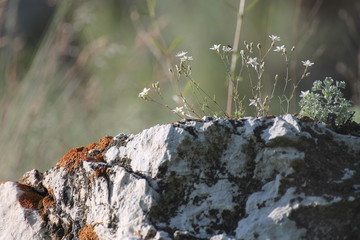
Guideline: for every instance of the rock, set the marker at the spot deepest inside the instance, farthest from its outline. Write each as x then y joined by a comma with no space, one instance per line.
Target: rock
252,178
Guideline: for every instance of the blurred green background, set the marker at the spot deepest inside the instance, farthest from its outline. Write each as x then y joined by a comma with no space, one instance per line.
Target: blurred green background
71,71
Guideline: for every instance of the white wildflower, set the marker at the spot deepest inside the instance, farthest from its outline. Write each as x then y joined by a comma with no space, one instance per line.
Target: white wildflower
304,93
216,47
144,93
227,48
253,102
274,38
186,58
281,49
253,62
307,63
181,54
179,110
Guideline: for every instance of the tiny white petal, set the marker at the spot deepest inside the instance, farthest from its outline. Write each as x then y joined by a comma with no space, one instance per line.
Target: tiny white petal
144,93
253,102
227,49
274,38
186,58
253,62
178,110
181,54
280,49
307,63
216,47
304,93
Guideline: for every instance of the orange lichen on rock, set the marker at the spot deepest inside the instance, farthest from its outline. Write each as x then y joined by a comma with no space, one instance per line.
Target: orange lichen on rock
100,172
88,233
73,158
24,187
30,198
94,152
48,201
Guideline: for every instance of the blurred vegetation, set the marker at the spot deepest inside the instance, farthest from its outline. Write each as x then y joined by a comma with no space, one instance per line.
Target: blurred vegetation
71,70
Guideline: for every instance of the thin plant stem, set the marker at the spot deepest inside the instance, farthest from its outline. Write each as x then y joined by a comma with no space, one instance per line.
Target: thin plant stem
188,106
295,86
251,82
267,52
239,21
150,99
273,90
287,73
207,95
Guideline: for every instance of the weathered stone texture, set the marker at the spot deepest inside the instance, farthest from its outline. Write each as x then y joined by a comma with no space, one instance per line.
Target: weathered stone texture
252,178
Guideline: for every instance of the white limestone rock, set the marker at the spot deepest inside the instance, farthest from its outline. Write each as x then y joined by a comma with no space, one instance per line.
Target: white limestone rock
252,178
17,221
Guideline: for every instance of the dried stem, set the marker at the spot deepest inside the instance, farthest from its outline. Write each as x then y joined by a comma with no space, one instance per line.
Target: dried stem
240,17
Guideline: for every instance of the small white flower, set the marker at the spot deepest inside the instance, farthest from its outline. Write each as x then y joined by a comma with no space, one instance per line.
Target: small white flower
274,38
253,62
227,48
181,54
280,49
179,110
216,47
307,63
304,93
144,93
186,58
253,102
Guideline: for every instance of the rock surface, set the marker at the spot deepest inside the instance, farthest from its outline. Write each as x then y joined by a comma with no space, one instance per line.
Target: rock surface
252,178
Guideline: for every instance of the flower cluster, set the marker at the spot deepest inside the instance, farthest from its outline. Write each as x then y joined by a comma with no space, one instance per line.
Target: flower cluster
257,63
254,63
144,95
183,57
184,67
